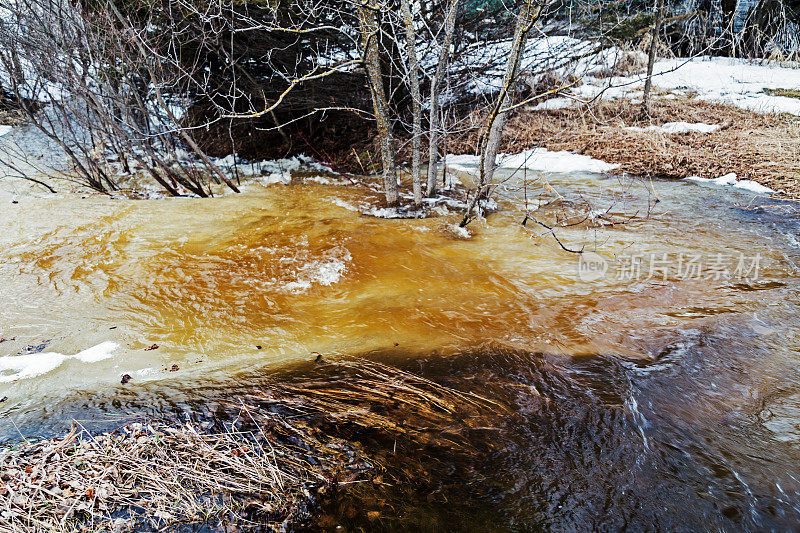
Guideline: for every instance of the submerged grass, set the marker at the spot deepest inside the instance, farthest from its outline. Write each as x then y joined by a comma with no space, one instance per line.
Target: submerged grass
274,457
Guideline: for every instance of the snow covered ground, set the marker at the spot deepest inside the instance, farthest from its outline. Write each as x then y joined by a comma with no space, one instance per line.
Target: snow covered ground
737,82
732,81
719,79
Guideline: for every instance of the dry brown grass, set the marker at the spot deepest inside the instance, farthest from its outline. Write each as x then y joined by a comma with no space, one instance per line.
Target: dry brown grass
763,147
168,474
285,447
382,398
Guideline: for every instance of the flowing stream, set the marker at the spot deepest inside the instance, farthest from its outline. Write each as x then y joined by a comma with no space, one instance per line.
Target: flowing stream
656,386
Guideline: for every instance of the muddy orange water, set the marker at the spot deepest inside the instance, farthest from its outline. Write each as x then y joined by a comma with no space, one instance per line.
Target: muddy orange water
700,362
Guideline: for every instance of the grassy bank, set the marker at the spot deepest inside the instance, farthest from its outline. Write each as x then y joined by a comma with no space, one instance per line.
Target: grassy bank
756,146
273,459
761,147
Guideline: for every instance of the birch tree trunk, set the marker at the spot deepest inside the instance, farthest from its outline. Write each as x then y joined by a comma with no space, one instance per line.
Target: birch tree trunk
369,35
651,59
489,142
441,71
413,81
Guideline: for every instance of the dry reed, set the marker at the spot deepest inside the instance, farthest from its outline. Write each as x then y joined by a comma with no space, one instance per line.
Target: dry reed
287,445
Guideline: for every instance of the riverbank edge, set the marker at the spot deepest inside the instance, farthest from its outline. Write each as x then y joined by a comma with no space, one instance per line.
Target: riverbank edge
273,458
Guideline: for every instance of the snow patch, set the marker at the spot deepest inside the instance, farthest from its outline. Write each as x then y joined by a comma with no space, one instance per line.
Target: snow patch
554,103
13,368
738,82
5,130
563,161
679,127
752,186
269,171
731,180
539,159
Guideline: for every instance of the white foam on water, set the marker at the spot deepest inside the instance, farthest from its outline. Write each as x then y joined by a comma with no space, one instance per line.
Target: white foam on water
36,364
382,212
458,231
318,179
323,272
341,203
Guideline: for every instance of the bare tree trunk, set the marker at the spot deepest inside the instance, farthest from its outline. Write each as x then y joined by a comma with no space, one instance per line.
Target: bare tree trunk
413,80
648,83
436,82
369,33
489,142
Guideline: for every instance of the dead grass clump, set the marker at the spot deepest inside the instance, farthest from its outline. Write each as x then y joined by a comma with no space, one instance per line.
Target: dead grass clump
761,147
286,447
630,62
549,83
154,475
627,63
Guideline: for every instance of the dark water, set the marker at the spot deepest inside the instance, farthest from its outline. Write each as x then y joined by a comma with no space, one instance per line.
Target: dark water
593,442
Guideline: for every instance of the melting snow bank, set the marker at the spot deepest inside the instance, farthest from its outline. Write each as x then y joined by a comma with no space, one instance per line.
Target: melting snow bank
739,82
539,159
731,179
734,81
269,171
13,368
679,127
543,160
